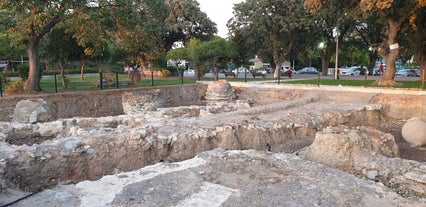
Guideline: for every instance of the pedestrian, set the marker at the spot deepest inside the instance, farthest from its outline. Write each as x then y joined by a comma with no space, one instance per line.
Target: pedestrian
381,68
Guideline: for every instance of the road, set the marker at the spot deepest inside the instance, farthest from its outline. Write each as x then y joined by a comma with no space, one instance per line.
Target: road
309,76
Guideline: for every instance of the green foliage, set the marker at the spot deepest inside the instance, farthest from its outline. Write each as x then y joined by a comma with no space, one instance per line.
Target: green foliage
272,28
15,87
178,54
164,73
216,53
60,46
186,21
4,78
23,71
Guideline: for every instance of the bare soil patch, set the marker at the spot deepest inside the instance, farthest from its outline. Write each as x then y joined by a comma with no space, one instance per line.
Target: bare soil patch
406,151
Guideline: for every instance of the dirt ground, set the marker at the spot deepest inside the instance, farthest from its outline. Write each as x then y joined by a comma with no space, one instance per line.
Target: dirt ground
406,151
394,127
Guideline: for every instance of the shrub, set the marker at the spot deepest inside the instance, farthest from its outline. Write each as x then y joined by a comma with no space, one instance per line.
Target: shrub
15,87
4,78
164,73
23,71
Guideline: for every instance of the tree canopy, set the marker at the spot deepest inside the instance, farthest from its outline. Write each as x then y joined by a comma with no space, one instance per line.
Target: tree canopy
273,20
216,53
186,21
393,13
142,30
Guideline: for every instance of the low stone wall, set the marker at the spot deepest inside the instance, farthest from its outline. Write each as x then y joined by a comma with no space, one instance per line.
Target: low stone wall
397,103
101,103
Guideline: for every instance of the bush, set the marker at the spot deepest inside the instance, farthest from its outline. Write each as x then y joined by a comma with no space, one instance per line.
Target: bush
4,78
74,71
15,87
164,73
23,71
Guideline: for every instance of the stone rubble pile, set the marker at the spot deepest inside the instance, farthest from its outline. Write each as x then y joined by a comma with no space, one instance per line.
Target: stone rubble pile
37,153
226,178
370,153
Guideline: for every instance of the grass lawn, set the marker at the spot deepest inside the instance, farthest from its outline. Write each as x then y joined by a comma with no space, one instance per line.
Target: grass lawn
368,83
90,82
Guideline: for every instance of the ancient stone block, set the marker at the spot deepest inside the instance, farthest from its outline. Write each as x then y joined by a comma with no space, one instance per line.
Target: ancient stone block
32,111
414,131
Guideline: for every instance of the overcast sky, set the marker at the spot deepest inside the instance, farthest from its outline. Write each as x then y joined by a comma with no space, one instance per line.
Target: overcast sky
219,11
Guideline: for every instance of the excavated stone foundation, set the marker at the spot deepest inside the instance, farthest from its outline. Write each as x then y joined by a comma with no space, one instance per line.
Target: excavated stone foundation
159,128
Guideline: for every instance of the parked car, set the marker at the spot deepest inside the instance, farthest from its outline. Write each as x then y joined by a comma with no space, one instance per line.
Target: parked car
263,71
407,73
241,70
307,70
354,70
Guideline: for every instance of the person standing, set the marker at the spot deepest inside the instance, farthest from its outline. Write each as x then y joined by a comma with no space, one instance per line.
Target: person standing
381,68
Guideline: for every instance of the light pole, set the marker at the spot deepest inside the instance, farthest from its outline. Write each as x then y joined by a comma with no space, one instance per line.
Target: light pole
321,46
336,35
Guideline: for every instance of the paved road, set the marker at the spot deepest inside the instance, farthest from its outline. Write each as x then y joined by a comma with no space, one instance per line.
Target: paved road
311,76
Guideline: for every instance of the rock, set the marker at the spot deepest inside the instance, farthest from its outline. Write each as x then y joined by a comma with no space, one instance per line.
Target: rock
139,102
414,131
138,134
50,128
32,111
219,91
225,178
366,151
345,148
71,144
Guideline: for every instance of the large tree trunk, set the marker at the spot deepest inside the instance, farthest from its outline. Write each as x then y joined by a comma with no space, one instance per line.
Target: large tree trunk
279,57
33,81
277,71
390,55
325,62
373,56
422,62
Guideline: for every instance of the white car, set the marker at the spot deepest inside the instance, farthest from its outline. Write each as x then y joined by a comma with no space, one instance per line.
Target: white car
189,72
354,71
241,70
407,73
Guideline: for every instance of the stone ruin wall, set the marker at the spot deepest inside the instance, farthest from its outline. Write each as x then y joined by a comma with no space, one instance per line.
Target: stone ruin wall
104,150
100,103
397,104
109,102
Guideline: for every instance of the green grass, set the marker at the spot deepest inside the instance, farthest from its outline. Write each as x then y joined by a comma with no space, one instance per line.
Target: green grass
368,83
90,82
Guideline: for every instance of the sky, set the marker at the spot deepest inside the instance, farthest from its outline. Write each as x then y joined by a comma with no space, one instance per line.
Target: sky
219,11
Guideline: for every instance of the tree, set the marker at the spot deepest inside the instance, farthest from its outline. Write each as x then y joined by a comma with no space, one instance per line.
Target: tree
191,46
185,21
280,22
369,30
332,25
417,38
10,49
177,56
62,48
392,12
137,30
134,25
216,53
36,19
